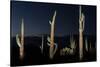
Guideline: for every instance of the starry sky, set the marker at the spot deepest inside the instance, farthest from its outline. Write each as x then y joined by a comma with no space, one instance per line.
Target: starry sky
37,15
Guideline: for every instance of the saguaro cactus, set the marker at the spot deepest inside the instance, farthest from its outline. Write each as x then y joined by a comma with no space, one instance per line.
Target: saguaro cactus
52,23
81,29
20,41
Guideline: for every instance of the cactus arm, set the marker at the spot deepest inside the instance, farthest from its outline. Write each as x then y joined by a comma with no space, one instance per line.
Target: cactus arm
83,21
50,22
48,44
40,47
48,39
18,41
56,46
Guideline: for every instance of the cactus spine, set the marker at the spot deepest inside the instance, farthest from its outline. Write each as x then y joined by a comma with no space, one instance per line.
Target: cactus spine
81,29
51,50
20,41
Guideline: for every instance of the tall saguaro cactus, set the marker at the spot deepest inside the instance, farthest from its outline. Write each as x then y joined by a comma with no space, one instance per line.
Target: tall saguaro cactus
81,29
20,41
51,50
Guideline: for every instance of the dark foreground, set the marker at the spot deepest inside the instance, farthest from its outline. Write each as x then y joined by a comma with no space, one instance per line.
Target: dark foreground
33,55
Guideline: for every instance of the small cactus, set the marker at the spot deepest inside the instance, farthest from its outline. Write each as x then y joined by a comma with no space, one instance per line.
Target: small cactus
20,41
41,47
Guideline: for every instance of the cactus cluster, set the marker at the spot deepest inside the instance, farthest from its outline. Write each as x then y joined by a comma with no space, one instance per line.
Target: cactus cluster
69,50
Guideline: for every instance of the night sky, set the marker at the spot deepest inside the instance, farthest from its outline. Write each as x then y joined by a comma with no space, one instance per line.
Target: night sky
36,17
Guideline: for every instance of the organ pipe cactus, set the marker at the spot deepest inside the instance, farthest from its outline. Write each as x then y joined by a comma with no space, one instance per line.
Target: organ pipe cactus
81,29
20,41
51,50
